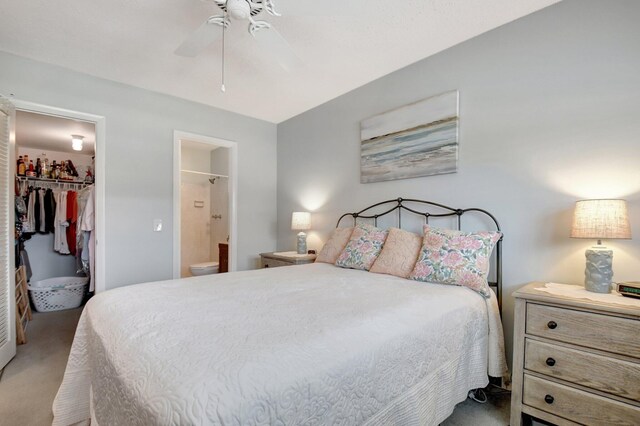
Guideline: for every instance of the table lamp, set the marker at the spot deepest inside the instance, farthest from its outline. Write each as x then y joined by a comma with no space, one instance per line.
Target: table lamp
301,221
598,220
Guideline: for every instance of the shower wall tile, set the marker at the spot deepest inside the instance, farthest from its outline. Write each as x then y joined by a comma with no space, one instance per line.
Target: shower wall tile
195,227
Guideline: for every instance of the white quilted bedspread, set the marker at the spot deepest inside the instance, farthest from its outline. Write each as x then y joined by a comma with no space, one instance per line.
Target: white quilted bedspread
311,344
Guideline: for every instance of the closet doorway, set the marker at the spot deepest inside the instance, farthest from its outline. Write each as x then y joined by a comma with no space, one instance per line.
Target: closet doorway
54,136
204,197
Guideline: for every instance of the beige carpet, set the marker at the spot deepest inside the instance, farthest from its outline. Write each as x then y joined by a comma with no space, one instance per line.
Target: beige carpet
30,381
495,412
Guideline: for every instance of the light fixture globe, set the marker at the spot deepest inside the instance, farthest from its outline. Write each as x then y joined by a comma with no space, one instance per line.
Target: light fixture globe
239,9
76,142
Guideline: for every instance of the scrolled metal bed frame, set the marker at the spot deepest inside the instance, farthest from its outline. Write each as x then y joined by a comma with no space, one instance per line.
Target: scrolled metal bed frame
399,205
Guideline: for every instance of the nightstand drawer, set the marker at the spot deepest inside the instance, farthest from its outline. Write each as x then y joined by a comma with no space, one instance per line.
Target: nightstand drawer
606,374
605,332
273,263
577,405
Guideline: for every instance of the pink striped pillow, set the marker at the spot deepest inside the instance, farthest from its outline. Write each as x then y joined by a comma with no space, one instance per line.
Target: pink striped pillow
332,248
399,254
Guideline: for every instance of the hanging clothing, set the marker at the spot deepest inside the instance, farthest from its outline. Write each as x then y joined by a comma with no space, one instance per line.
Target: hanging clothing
84,251
29,226
87,225
42,228
83,197
49,211
72,218
61,224
36,209
82,237
24,260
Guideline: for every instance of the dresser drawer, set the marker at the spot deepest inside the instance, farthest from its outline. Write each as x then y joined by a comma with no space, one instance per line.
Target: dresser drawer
274,263
588,329
606,374
577,405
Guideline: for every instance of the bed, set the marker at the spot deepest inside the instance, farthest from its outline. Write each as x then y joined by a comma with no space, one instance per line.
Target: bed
310,344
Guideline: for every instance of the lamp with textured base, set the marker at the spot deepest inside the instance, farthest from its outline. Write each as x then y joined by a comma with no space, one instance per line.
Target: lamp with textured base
600,219
301,221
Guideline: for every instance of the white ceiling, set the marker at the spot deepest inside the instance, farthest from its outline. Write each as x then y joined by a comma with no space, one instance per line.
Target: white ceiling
51,133
132,41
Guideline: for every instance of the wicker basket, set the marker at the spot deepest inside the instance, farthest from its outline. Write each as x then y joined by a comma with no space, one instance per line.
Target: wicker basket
57,294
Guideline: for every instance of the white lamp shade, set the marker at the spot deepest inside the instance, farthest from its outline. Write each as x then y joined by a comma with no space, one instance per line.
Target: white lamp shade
301,221
601,219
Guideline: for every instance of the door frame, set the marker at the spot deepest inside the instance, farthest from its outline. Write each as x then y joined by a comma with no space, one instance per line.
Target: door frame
178,136
100,175
8,350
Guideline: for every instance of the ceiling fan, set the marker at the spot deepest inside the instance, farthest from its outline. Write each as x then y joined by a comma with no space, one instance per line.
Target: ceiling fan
241,10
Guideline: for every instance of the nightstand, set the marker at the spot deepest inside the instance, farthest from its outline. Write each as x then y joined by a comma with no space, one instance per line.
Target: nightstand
575,360
286,258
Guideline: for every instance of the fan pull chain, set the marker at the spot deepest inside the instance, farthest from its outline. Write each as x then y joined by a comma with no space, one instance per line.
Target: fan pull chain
224,27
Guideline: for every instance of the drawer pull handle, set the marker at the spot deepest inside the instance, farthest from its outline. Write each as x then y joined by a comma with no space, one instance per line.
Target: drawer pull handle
552,324
551,362
548,399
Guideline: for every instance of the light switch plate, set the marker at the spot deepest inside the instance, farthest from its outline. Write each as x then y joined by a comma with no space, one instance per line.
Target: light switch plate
157,225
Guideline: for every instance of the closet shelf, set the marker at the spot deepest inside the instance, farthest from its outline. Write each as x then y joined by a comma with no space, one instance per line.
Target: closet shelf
203,173
35,179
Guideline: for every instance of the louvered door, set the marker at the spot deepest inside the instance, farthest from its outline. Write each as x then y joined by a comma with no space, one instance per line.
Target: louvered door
7,257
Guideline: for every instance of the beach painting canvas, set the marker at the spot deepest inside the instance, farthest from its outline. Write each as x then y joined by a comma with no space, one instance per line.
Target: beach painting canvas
415,140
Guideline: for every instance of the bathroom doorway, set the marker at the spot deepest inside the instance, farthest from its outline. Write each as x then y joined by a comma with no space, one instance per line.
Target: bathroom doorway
204,205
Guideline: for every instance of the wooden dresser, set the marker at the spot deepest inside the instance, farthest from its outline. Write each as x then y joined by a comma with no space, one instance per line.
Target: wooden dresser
575,361
273,260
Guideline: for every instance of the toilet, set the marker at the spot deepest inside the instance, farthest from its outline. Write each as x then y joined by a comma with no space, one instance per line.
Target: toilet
206,268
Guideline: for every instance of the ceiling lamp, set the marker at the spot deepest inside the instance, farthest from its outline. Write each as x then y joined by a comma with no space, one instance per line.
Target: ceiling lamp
76,142
239,9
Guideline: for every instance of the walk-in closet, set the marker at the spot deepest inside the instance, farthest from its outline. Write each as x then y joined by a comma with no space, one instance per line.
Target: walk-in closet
55,214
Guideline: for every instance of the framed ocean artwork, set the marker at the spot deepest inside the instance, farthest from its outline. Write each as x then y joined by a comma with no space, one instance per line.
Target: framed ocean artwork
420,139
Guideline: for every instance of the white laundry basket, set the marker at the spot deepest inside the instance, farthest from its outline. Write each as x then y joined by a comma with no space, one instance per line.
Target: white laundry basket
57,294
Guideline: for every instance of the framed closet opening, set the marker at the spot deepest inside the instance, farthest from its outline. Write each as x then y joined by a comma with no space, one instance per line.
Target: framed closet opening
62,153
204,205
57,188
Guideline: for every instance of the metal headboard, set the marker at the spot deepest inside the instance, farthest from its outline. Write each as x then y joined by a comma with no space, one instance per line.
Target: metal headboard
399,205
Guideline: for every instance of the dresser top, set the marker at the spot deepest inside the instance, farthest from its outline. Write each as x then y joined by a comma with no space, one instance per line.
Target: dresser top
289,256
531,292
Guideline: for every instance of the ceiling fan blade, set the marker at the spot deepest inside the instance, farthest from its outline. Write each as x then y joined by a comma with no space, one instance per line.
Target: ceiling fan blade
276,46
327,8
198,40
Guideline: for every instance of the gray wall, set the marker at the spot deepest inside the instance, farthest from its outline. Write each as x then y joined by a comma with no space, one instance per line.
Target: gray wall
549,108
46,263
139,163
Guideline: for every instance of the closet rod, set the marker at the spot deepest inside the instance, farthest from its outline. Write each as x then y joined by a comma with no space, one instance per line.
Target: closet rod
45,180
203,173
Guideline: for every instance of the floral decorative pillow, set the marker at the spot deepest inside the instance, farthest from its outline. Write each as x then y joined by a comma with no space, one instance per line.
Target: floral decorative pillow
363,247
332,248
399,253
455,257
